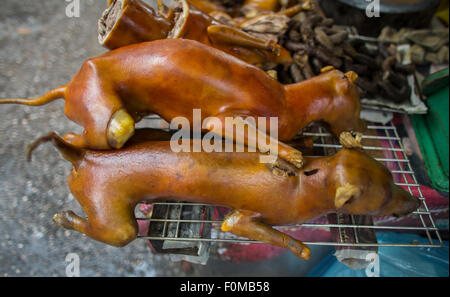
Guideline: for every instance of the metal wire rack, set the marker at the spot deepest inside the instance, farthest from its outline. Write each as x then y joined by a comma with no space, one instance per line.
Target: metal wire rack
380,141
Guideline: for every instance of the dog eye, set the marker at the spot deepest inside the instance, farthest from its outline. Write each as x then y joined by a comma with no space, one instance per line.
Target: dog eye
350,200
311,172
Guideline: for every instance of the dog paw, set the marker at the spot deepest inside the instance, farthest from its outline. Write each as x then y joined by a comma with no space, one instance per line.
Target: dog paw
63,219
298,248
300,251
296,159
350,140
305,253
283,168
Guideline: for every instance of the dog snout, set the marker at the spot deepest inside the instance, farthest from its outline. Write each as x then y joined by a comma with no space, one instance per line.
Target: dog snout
412,204
405,203
362,125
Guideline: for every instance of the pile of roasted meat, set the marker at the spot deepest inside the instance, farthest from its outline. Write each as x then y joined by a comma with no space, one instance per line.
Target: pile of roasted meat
222,59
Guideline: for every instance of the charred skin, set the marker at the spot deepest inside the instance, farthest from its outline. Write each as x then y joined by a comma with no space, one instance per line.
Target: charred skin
349,182
171,77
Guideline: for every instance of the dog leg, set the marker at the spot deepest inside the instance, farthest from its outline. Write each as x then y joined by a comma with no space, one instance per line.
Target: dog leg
252,136
69,220
243,223
111,228
75,140
350,140
228,35
306,5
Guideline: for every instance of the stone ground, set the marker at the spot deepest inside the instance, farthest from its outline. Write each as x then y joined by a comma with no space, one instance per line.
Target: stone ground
41,48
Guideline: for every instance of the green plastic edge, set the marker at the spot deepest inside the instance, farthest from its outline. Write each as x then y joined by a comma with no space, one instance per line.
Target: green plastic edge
438,179
435,82
437,121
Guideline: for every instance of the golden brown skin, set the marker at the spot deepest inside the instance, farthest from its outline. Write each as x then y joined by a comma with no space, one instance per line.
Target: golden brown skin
207,6
145,23
109,185
139,23
207,30
269,5
171,77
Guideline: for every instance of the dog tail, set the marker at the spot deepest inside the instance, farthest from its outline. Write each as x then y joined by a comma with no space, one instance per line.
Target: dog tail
54,94
69,152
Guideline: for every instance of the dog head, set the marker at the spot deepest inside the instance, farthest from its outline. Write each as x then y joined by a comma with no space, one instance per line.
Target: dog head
365,186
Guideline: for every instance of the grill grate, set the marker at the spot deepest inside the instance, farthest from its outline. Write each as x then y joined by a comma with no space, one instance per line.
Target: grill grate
384,144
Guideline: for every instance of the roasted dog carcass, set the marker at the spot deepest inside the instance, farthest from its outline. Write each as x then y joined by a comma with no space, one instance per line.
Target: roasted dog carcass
172,77
127,22
109,184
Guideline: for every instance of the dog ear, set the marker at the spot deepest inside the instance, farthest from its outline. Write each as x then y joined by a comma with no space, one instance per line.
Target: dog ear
345,193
